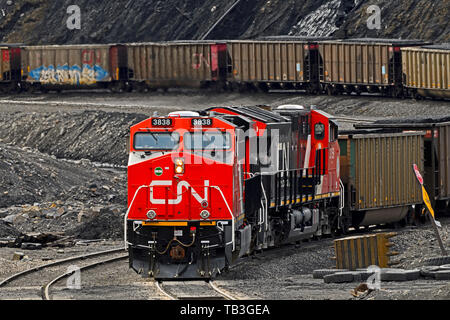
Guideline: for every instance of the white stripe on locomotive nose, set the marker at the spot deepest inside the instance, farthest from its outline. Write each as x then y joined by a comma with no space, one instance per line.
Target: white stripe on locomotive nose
308,151
181,184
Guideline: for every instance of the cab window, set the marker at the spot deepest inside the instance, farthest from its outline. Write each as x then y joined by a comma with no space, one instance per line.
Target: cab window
319,131
207,141
156,141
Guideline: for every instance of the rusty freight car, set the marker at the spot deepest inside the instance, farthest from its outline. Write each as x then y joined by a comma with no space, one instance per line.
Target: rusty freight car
379,184
10,68
362,65
426,71
277,64
73,66
176,64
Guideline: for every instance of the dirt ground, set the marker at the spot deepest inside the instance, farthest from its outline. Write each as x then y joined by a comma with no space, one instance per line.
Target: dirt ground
63,170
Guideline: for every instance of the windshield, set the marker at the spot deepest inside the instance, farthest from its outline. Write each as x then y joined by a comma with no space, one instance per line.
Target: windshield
156,141
207,141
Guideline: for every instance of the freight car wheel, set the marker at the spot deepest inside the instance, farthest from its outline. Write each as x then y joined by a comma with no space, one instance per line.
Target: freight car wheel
117,87
263,87
331,91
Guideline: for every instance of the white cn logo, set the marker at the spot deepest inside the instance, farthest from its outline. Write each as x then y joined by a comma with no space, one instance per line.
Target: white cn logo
374,21
181,188
74,20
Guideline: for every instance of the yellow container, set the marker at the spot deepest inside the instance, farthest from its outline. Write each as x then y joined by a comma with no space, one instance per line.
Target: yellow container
364,251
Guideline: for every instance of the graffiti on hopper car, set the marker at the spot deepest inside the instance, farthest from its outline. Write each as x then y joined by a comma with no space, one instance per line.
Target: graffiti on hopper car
69,75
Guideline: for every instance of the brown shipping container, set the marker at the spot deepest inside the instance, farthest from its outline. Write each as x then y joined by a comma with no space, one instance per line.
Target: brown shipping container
427,70
68,65
377,169
179,63
362,62
270,61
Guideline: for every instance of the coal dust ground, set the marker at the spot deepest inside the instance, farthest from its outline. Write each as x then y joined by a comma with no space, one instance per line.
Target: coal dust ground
63,164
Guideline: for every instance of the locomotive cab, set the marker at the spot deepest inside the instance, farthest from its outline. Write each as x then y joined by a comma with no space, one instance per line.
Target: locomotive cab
183,189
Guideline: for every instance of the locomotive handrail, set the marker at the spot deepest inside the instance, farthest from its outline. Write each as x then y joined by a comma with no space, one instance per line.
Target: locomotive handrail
125,225
341,200
231,214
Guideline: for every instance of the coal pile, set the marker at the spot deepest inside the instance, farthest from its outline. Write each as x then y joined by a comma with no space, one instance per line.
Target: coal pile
94,135
43,21
106,224
8,231
28,177
42,195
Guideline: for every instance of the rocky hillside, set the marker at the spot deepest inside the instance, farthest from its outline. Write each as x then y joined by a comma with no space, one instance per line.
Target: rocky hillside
45,21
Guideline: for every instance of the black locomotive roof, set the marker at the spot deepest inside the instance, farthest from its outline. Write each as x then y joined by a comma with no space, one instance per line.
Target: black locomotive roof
256,113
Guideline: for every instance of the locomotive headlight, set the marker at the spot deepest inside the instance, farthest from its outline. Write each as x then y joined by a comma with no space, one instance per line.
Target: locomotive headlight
151,214
179,166
205,214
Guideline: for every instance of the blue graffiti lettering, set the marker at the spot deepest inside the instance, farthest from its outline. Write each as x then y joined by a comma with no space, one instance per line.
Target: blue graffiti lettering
74,75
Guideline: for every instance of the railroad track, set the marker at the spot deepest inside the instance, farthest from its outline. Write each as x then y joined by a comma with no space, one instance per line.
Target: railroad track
46,288
214,292
36,276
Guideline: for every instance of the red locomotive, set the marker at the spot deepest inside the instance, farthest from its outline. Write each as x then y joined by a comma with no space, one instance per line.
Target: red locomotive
207,188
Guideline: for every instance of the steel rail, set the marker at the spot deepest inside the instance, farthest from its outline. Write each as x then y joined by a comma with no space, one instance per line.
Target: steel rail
46,289
164,292
56,263
222,291
223,294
